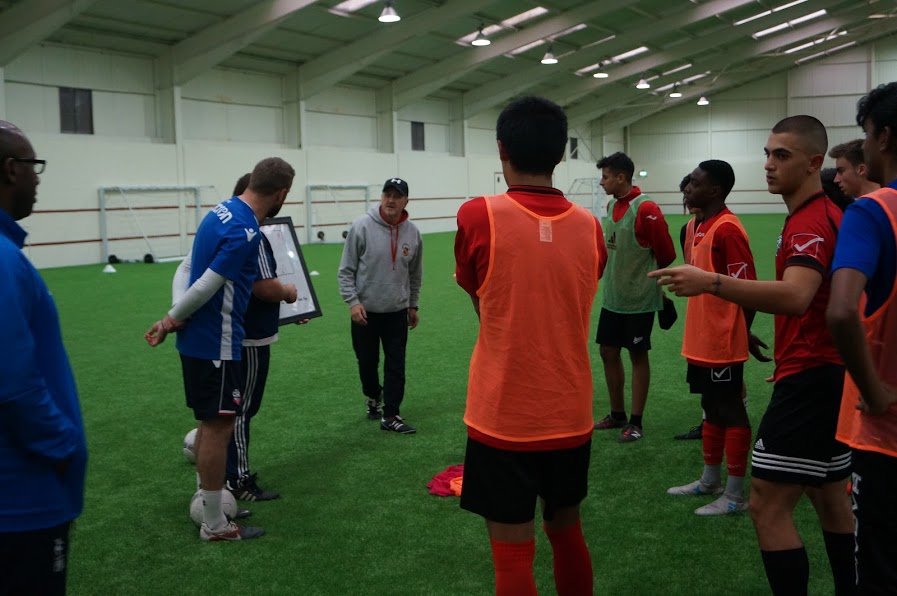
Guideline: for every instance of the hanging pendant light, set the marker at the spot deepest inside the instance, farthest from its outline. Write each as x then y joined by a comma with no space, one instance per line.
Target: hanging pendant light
703,101
389,14
549,57
480,40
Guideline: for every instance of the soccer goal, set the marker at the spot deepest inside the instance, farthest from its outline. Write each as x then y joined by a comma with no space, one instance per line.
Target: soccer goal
150,223
331,209
586,192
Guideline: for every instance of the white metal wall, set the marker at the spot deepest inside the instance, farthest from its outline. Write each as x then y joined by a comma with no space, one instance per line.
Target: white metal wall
735,126
228,120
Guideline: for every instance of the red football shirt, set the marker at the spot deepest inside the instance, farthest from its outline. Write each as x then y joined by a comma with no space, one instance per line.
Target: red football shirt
808,240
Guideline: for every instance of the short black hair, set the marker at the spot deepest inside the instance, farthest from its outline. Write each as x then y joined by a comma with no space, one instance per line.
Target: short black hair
684,182
271,175
619,163
720,173
242,184
533,133
832,190
809,129
880,107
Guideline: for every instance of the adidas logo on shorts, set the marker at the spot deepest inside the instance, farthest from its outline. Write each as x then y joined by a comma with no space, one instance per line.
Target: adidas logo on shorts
759,445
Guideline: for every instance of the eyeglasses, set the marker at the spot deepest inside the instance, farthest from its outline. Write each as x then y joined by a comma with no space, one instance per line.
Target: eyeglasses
39,165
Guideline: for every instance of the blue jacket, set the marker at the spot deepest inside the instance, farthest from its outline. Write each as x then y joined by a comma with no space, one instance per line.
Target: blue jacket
40,416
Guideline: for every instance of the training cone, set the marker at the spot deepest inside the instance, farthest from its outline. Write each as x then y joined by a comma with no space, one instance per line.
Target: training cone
108,269
314,273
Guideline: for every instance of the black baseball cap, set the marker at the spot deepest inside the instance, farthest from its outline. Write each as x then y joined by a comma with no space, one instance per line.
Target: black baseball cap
398,184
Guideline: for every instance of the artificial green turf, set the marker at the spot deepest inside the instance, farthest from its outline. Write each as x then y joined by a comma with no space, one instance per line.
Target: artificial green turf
355,516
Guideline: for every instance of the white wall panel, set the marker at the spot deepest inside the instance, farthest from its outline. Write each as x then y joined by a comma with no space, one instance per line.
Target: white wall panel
33,108
481,142
428,111
344,100
436,138
236,87
83,68
839,110
124,115
744,114
204,120
330,130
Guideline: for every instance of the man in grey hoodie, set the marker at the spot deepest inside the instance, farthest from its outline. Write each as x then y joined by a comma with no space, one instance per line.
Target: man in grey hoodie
380,278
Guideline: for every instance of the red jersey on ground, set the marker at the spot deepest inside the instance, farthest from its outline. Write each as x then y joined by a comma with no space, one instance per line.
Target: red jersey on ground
808,240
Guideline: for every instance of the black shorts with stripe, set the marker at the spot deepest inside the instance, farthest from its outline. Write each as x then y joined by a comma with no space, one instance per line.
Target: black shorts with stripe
796,438
213,388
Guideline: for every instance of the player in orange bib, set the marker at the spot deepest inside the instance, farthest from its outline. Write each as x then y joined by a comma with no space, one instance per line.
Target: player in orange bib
716,339
530,260
866,265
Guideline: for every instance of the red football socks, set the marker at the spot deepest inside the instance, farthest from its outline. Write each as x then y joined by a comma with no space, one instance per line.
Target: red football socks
514,568
572,563
738,444
714,440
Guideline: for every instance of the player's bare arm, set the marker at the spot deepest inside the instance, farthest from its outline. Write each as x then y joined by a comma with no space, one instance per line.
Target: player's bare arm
790,296
843,317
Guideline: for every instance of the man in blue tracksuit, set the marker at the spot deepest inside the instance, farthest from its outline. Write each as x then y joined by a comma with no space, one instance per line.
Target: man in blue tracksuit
43,452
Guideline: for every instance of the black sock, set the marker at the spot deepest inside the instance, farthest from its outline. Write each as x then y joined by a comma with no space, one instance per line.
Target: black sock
840,549
618,415
636,420
788,571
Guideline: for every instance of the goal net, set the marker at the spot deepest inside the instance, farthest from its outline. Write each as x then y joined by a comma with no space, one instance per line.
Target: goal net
331,209
151,223
586,192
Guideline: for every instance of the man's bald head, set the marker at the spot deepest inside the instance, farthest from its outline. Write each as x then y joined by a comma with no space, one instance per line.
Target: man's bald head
18,177
12,140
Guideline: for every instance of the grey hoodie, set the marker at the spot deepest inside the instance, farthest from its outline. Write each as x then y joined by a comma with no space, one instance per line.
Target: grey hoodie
369,274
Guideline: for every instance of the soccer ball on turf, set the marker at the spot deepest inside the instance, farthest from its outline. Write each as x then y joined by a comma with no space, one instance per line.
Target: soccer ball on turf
189,448
228,504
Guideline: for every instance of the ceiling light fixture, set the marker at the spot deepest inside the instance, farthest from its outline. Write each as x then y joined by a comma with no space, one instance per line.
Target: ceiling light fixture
600,75
549,57
676,94
792,23
643,84
480,40
389,14
703,101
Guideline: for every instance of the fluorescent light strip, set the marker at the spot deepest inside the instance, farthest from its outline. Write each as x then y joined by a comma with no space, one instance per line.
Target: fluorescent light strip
524,16
766,13
825,53
629,54
678,69
508,23
589,68
666,87
694,78
789,5
572,29
791,23
527,47
346,8
810,44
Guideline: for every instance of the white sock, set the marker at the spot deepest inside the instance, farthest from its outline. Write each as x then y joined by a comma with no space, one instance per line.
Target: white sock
735,487
711,475
212,513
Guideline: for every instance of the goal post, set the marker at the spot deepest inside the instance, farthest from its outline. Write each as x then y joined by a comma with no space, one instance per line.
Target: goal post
139,222
587,192
331,209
